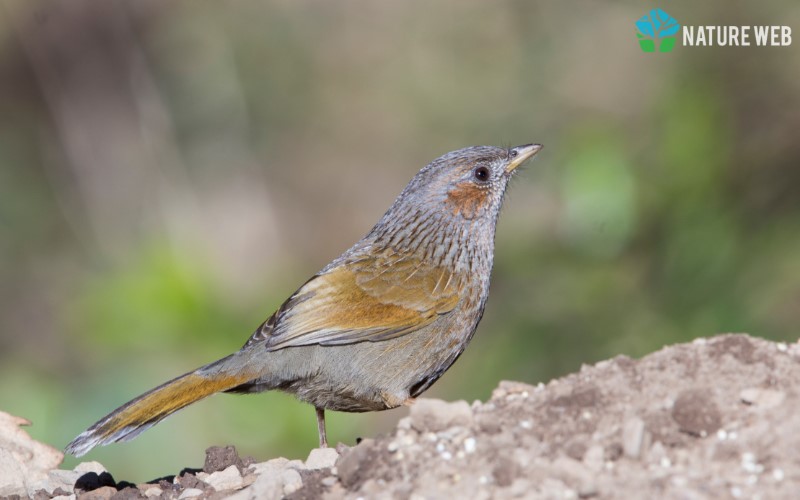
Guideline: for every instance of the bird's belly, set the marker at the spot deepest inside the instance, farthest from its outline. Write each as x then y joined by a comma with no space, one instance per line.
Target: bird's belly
373,376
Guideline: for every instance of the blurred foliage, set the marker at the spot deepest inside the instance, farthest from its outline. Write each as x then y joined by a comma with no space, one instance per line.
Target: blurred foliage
170,172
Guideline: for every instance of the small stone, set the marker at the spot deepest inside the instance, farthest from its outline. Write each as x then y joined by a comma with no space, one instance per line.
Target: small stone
190,493
435,415
155,491
267,485
63,478
632,437
189,480
291,481
95,467
470,444
295,464
696,413
328,481
225,480
220,458
321,458
103,493
273,466
249,479
65,497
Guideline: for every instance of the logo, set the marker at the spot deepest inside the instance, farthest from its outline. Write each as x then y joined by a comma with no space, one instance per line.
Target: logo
657,31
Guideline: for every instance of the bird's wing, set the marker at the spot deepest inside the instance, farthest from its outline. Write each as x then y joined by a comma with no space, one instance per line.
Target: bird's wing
372,299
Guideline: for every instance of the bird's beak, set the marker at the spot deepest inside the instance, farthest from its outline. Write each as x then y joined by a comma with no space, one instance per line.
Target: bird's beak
521,154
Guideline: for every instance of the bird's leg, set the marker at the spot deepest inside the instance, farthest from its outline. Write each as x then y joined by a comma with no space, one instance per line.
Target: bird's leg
323,438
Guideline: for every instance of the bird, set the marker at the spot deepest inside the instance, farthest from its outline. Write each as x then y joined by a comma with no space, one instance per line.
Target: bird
378,325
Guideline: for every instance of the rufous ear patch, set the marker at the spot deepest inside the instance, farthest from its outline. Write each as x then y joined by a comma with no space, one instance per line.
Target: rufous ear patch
467,199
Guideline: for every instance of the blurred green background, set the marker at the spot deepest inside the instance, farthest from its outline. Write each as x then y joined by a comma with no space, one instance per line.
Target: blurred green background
171,171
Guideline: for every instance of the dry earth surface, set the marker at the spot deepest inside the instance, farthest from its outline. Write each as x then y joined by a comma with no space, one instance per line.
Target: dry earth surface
715,418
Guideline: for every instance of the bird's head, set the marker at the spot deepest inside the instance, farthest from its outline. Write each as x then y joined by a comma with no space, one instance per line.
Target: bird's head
468,183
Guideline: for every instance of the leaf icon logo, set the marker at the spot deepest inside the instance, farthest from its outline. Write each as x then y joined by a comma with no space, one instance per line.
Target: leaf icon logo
656,30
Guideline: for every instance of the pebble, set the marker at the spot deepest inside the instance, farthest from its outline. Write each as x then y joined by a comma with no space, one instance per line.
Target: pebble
470,444
190,493
321,458
62,479
155,491
632,437
225,480
270,466
268,485
85,467
103,493
291,481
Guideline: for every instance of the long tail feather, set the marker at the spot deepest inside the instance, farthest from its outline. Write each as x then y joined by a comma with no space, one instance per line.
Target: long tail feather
138,415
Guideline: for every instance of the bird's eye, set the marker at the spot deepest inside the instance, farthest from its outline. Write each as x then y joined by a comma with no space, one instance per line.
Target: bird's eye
513,153
481,173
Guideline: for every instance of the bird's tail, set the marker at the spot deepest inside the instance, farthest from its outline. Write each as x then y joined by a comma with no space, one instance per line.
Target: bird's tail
138,415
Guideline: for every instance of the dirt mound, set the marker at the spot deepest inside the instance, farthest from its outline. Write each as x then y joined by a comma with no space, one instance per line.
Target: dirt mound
716,418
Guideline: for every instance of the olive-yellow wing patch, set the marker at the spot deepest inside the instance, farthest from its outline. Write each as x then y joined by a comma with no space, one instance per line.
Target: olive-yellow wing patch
373,299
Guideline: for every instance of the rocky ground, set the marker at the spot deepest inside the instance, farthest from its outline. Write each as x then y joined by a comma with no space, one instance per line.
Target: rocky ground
716,418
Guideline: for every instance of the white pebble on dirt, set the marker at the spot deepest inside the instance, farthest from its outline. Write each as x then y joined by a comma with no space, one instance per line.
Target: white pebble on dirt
224,480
